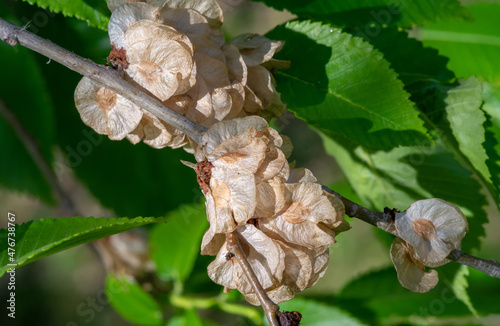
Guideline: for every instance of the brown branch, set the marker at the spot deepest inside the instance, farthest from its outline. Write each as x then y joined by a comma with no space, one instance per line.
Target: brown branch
385,220
102,75
270,308
490,267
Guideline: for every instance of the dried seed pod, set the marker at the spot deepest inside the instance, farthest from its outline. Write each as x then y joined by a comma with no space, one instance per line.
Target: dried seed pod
411,272
115,4
261,83
189,21
303,268
156,133
307,219
242,158
340,224
105,111
270,198
256,49
160,58
433,227
210,9
264,255
247,191
153,41
232,135
126,15
301,175
233,190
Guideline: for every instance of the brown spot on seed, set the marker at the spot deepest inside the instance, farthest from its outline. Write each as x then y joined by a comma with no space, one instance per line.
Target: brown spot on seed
204,173
425,229
106,98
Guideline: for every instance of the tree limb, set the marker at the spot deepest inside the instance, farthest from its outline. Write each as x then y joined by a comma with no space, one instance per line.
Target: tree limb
64,202
385,220
102,75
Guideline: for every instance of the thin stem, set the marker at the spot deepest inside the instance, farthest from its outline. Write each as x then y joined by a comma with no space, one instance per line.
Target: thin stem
384,221
102,75
270,308
65,204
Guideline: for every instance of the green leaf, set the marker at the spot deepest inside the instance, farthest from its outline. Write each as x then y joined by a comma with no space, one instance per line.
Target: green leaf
473,46
403,175
371,14
491,107
132,302
448,107
409,58
189,318
466,121
93,15
319,314
175,246
483,291
327,87
460,286
423,71
44,237
378,297
24,94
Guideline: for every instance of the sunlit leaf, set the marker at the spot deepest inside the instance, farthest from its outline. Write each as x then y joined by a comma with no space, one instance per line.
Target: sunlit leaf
327,87
466,121
450,108
473,46
37,239
460,285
